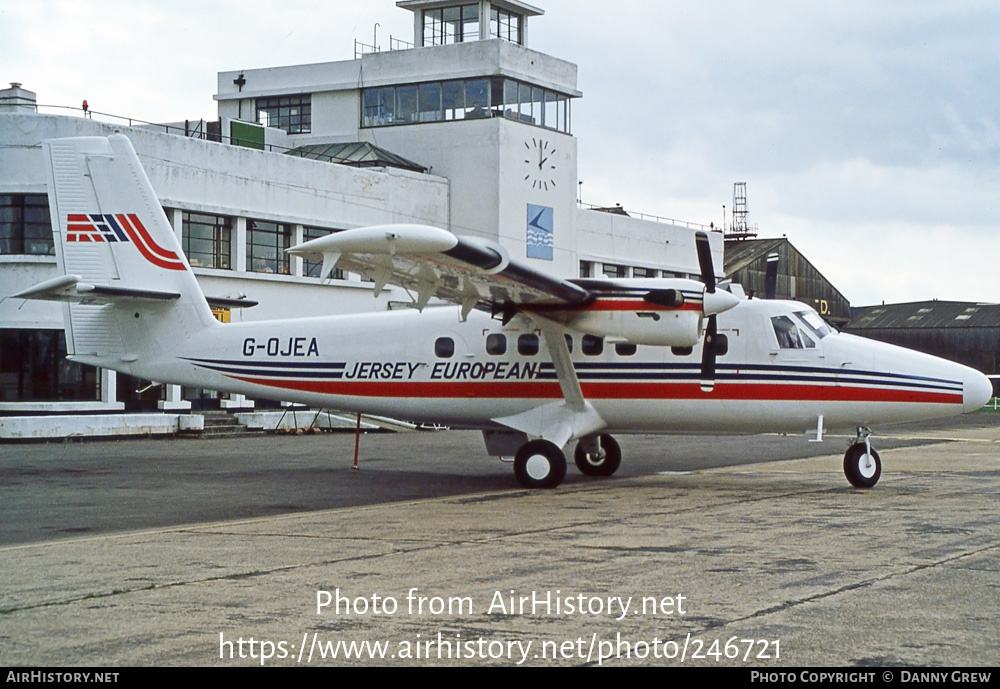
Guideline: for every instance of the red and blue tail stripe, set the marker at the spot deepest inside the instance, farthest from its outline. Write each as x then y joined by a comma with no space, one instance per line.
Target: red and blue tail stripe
121,228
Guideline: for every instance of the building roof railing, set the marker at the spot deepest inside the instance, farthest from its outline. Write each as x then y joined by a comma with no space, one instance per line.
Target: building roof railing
619,210
210,130
196,130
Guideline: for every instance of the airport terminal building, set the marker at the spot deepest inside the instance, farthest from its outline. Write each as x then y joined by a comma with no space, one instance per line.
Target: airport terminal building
468,129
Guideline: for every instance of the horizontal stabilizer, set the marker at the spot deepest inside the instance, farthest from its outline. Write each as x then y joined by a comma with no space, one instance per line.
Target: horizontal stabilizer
230,303
70,288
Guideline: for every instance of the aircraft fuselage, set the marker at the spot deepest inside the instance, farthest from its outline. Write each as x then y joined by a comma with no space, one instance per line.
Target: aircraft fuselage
432,367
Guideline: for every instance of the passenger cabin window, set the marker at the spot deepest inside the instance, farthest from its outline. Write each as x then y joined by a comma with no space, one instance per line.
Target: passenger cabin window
444,348
496,344
527,345
592,346
789,335
569,342
625,349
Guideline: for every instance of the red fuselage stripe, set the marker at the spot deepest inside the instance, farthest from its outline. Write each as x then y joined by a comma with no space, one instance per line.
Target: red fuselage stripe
609,391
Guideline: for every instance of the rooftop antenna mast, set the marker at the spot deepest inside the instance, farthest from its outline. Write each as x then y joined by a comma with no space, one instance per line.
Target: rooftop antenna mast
740,229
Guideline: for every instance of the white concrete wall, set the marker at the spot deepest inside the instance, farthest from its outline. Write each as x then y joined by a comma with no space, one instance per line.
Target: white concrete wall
202,176
85,426
619,239
457,61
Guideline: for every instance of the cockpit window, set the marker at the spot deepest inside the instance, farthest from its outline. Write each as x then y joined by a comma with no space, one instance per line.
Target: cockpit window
815,323
788,334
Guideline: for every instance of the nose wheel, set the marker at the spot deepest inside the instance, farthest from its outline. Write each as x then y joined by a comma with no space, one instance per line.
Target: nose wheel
862,465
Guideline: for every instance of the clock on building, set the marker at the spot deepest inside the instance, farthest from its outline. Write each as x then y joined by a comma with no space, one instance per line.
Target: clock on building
540,164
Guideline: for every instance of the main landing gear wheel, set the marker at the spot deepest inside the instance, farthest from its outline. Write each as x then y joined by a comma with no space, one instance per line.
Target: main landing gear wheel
539,464
604,463
862,466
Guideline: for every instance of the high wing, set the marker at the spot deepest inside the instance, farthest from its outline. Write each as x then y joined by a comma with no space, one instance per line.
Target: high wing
431,262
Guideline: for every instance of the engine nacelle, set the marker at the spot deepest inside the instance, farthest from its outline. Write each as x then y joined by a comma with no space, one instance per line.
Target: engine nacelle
665,328
663,312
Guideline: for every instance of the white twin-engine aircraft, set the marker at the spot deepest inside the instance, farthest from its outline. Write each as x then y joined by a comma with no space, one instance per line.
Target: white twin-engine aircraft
533,361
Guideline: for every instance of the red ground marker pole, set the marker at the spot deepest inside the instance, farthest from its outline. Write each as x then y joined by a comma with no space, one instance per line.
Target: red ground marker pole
357,441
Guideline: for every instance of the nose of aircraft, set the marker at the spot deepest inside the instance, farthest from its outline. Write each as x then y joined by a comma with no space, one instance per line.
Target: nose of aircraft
977,390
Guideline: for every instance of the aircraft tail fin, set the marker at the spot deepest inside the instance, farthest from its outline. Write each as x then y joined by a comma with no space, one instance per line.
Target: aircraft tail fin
129,292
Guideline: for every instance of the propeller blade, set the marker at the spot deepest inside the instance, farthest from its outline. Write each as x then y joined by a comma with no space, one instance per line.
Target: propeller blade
705,261
771,277
708,356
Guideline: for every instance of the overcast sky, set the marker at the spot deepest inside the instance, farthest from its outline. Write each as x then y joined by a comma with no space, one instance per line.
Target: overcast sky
867,131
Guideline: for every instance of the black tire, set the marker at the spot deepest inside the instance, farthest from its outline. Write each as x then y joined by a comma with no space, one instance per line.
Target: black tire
859,471
605,465
539,464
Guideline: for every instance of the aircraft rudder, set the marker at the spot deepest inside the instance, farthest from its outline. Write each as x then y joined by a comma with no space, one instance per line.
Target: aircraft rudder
107,222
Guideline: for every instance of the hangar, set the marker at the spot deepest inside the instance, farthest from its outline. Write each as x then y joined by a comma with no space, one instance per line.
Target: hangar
964,332
466,128
797,278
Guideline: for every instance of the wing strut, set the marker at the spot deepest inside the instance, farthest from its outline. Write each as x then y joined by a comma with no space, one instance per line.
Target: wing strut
560,421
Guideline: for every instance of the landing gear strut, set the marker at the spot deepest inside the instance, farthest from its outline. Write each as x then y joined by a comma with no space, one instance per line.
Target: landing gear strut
598,456
862,465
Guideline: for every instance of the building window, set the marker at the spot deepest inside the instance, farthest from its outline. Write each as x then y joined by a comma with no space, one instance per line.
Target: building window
291,113
207,239
643,273
34,368
506,25
312,268
25,227
613,271
446,25
266,244
465,99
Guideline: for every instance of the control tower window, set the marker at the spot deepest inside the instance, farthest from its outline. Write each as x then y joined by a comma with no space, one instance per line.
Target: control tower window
291,113
506,25
446,25
464,99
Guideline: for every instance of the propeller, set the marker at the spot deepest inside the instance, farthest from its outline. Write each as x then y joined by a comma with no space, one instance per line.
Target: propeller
715,302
